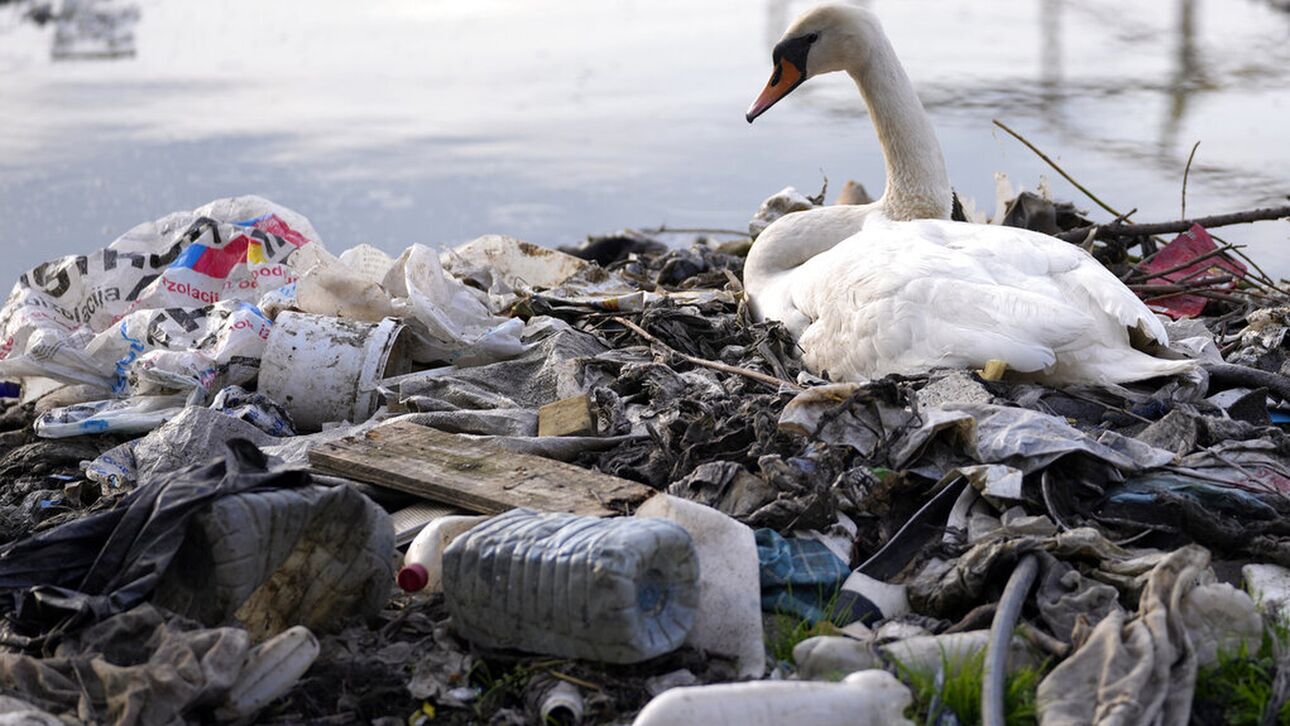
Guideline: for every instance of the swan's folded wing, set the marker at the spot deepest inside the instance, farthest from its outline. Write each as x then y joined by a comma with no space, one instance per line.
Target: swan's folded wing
1014,254
897,301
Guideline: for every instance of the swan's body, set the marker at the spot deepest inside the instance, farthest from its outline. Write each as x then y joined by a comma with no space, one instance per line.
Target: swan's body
910,291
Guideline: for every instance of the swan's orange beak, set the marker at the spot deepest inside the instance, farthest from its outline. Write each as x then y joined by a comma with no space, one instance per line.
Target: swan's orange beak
785,78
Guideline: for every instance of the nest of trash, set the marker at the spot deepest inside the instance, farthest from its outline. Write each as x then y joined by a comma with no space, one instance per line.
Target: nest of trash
615,486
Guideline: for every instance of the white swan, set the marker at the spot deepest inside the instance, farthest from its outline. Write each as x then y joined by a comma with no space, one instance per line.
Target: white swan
908,292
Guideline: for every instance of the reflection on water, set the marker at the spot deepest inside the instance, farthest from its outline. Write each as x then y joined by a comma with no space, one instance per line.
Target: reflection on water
394,121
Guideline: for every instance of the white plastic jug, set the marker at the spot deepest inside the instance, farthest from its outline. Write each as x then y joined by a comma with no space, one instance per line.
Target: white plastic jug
864,698
423,564
728,621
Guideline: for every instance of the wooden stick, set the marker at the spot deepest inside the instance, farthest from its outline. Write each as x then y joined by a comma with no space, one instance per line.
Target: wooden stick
758,376
1185,265
664,229
1057,168
1201,284
1186,172
1107,231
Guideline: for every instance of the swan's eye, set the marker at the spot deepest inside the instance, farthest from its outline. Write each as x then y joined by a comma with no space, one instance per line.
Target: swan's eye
812,37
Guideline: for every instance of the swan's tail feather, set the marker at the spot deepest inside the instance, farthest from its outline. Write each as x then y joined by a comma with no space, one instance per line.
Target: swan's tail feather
1116,365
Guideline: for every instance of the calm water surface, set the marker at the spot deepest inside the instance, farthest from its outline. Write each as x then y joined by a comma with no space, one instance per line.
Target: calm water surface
400,121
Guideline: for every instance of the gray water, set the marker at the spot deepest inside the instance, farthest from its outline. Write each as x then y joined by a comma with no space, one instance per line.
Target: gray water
400,121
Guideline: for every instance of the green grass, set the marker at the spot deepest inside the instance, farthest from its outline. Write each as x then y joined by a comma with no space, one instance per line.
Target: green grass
1237,689
961,691
786,631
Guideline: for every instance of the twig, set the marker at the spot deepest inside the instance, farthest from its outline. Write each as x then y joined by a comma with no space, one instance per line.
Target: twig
1043,641
664,229
1186,172
1057,168
1201,284
1184,265
574,680
1267,279
714,365
1133,229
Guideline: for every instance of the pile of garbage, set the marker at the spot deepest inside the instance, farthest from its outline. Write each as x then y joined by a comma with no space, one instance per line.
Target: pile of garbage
243,478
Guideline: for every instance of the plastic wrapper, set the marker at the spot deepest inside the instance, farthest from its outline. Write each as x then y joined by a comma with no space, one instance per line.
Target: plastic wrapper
124,416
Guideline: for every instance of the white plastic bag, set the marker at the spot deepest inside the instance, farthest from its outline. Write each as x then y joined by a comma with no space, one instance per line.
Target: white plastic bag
186,284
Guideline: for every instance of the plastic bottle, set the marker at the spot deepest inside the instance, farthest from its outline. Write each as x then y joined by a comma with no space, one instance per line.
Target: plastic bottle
618,590
423,564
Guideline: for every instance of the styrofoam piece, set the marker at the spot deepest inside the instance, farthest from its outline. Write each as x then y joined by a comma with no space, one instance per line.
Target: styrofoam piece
1270,587
728,621
865,698
423,563
326,369
271,670
824,657
412,519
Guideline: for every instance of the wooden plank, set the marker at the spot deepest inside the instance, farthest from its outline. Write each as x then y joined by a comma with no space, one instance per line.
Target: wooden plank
474,475
566,417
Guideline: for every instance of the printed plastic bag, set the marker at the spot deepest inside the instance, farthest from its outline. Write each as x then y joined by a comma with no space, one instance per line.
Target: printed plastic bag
169,304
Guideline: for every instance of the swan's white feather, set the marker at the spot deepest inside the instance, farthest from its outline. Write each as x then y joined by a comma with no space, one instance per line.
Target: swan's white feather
901,297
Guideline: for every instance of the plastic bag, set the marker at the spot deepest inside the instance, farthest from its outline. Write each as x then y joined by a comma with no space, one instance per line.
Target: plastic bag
170,304
130,416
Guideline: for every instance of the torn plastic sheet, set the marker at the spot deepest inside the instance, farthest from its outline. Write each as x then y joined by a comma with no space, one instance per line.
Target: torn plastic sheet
548,370
169,302
196,433
138,667
137,415
501,262
1023,439
879,420
454,319
111,560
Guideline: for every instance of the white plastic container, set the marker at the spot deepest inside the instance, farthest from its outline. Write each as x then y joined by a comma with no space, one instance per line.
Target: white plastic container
423,563
325,369
864,698
272,668
728,621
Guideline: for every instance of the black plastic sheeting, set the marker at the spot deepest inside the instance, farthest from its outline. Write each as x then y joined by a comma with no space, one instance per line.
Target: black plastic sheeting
110,561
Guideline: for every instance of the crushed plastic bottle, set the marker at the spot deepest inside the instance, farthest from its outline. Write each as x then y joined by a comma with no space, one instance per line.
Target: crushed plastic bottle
619,590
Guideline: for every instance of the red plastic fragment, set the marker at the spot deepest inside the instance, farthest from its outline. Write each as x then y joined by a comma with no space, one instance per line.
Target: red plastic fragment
1189,245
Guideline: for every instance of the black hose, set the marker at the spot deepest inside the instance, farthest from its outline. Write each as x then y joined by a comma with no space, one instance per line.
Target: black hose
1248,377
996,654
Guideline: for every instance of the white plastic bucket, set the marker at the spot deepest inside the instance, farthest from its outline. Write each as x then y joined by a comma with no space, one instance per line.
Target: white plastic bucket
325,369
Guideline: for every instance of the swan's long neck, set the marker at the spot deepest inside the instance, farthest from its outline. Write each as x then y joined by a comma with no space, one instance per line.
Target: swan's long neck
917,185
